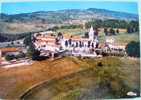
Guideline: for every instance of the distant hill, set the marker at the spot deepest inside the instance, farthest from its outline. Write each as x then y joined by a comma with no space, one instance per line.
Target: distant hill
44,19
68,14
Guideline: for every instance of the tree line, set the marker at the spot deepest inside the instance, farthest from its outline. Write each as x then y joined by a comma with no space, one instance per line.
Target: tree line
131,26
7,37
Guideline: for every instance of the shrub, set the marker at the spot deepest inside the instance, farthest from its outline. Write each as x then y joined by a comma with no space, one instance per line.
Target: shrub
9,57
100,64
133,49
21,55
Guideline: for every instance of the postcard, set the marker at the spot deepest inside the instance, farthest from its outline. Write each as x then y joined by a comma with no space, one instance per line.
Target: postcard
69,50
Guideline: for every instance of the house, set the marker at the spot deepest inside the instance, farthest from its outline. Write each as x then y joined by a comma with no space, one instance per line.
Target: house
4,51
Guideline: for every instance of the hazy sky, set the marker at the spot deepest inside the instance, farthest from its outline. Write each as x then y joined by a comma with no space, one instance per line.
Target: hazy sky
26,7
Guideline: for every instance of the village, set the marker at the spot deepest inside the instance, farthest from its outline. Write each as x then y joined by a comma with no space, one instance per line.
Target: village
52,46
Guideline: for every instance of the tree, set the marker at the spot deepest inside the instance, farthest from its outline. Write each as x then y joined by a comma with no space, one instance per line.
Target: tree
113,23
28,40
66,43
33,53
86,35
30,51
60,35
129,30
112,31
133,49
133,26
36,55
105,31
117,31
54,28
9,57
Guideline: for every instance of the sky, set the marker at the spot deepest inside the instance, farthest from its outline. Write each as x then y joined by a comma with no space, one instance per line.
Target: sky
27,7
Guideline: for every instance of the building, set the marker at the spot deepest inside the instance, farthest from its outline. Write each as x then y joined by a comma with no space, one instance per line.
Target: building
10,50
47,43
91,34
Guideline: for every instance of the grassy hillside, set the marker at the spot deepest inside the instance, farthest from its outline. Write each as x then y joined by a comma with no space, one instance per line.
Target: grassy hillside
109,77
14,81
81,78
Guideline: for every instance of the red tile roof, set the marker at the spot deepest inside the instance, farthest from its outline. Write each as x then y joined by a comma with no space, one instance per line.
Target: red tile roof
12,49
